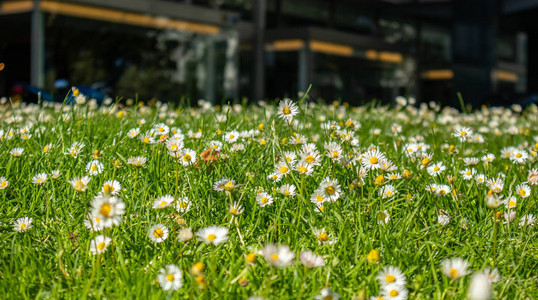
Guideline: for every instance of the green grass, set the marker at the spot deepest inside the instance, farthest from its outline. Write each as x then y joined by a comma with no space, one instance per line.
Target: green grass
53,259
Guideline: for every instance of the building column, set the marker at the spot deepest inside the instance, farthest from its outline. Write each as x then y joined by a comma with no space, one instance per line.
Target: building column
259,10
210,73
37,47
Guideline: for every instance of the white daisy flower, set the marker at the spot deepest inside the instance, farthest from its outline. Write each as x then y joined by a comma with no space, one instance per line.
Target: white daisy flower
213,235
170,278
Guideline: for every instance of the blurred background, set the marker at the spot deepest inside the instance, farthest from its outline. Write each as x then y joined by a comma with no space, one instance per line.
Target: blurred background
220,50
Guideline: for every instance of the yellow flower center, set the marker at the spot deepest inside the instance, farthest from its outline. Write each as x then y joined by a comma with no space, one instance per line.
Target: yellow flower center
388,193
163,203
170,277
286,110
186,157
518,155
274,257
436,168
284,169
382,216
182,204
393,293
330,190
233,210
101,246
264,200
323,237
94,168
211,237
374,160
453,273
310,159
231,136
511,204
335,154
442,192
522,192
3,184
463,133
24,226
41,180
146,140
108,188
390,278
287,192
161,129
158,233
105,210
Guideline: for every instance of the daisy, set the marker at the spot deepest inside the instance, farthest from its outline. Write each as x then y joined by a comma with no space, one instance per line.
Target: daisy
463,133
163,201
183,205
334,150
443,218
17,152
322,236
495,185
213,235
311,157
94,167
231,136
158,233
532,178
395,292
455,268
80,184
391,275
111,187
488,158
494,201
264,199
436,169
330,189
278,256
275,177
383,217
442,190
55,174
134,132
236,209
387,191
109,209
174,145
470,161
99,244
282,168
23,224
493,274
523,190
480,178
311,260
75,149
147,138
185,234
215,145
519,156
527,220
137,161
479,287
287,110
3,183
93,223
288,190
188,157
468,173
304,168
39,178
290,157
327,294
372,159
170,278
161,129
47,148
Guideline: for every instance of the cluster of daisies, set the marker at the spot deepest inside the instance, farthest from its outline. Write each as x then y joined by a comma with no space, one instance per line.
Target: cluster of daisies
312,162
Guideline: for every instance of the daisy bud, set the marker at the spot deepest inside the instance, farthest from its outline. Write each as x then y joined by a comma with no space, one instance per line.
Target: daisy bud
250,258
406,174
373,257
185,234
197,269
380,180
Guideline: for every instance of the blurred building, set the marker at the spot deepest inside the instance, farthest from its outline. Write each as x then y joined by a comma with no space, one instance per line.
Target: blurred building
223,49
